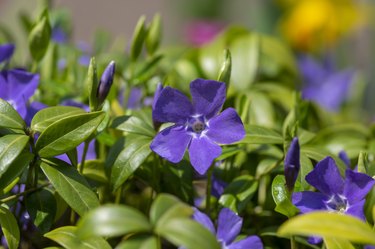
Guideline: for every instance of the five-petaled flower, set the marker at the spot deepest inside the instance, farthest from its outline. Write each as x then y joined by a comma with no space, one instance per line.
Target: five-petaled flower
197,124
335,193
228,227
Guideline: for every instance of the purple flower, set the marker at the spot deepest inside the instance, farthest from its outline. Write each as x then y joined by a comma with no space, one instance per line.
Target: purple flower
345,158
292,164
228,227
335,193
201,32
17,86
105,82
323,84
197,124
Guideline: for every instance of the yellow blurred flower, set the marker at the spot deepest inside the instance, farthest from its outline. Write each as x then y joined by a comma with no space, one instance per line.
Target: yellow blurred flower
314,24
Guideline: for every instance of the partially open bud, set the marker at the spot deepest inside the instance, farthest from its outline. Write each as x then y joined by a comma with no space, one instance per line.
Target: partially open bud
157,93
105,82
292,164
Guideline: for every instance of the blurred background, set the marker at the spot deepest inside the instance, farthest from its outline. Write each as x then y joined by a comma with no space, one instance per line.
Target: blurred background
342,29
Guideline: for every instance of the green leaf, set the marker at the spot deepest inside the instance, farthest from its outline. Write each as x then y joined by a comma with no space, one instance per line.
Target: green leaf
71,186
245,52
154,34
9,227
135,151
189,234
261,110
239,192
67,237
362,162
9,118
261,135
49,115
281,197
139,242
92,85
39,37
67,133
166,207
332,243
317,153
41,206
139,36
111,221
226,67
11,147
329,225
95,170
133,124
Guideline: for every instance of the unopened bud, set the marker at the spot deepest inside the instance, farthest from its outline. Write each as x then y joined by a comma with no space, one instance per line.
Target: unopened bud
105,82
292,164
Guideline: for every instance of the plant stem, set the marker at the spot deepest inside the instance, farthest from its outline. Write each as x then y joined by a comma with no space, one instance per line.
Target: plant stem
83,159
208,189
30,190
293,243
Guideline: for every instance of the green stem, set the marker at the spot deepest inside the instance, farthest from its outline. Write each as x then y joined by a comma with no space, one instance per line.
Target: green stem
83,159
208,189
293,243
118,194
30,190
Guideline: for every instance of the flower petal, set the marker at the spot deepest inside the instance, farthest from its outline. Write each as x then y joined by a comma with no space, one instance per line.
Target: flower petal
203,219
171,143
4,86
357,185
251,242
202,152
308,201
22,84
6,51
357,209
208,96
292,164
326,177
226,128
228,225
172,106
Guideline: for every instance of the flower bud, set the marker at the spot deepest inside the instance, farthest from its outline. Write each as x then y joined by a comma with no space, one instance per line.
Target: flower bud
105,82
292,164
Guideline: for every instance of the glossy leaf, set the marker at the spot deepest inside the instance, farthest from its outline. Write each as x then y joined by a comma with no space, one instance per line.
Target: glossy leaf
41,206
239,192
9,227
49,115
135,151
281,197
9,117
189,234
133,124
261,135
330,225
139,242
167,207
39,37
71,186
92,83
67,237
226,68
11,147
332,243
67,133
111,221
154,34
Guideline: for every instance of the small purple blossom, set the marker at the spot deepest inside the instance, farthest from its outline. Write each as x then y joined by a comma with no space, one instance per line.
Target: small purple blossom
17,85
323,83
335,193
228,227
105,82
197,125
292,164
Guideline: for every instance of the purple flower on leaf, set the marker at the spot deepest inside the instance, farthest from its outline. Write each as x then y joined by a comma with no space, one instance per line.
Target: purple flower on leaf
292,164
336,194
197,125
228,227
323,83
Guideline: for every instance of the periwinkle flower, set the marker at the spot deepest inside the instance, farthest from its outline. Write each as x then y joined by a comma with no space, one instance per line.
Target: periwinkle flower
292,164
335,194
228,227
323,84
197,125
105,82
17,85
